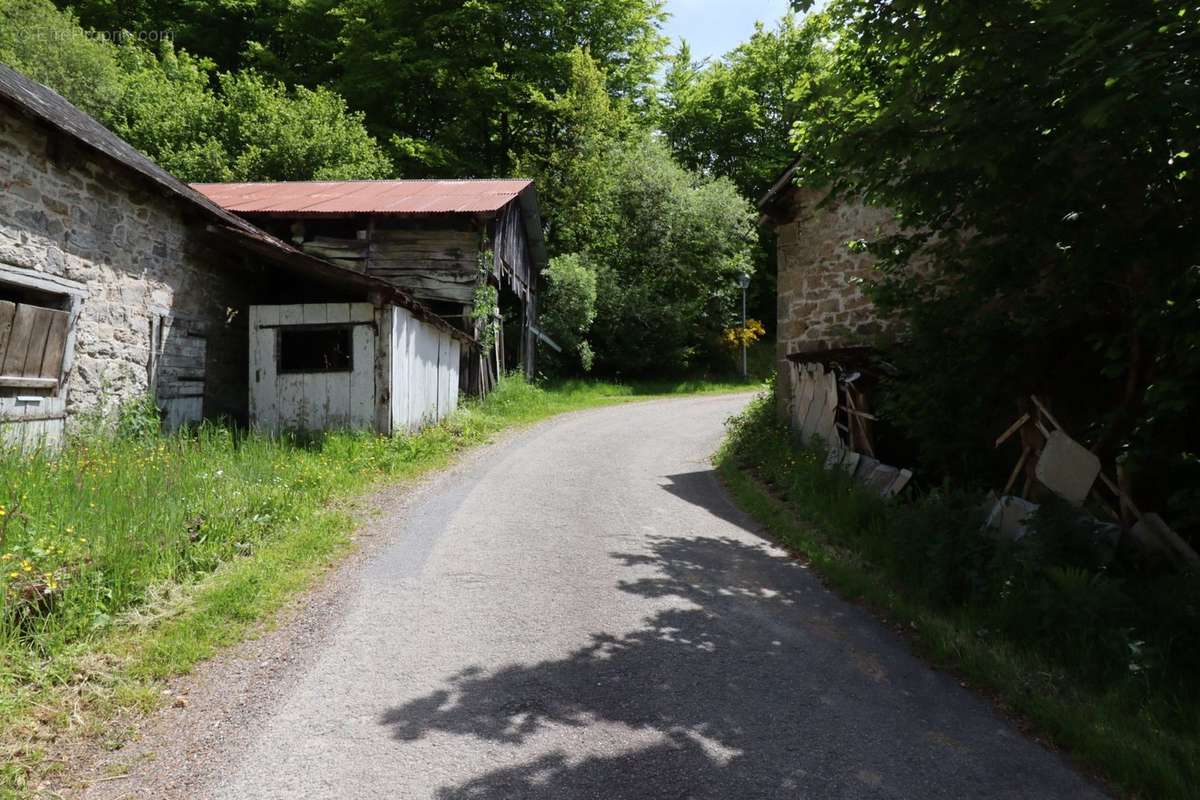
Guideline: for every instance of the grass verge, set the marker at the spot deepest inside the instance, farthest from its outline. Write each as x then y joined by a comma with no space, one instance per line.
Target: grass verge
128,557
1100,662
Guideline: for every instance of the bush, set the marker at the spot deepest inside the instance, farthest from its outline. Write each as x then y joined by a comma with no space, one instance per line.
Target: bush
569,308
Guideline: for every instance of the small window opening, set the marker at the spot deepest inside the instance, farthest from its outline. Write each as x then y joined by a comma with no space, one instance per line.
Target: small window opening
315,349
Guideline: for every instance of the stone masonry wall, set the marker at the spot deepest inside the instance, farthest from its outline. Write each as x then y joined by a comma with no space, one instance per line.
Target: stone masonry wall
820,280
69,212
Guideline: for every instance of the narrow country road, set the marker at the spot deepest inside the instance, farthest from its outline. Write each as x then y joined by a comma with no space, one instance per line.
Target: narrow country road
583,614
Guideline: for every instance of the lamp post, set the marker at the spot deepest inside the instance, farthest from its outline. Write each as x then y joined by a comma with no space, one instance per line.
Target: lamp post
743,280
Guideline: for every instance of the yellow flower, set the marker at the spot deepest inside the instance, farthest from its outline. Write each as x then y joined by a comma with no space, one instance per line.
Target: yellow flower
6,557
13,574
27,567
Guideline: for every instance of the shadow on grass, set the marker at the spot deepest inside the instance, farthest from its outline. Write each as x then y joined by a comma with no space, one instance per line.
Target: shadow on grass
751,682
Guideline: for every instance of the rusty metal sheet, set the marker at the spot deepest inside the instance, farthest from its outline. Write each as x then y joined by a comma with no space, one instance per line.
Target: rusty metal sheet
410,197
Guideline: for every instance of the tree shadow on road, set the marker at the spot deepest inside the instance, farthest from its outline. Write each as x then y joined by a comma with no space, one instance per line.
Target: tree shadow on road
753,683
702,488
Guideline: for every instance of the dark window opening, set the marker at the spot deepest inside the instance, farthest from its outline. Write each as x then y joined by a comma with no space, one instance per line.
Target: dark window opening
315,349
24,295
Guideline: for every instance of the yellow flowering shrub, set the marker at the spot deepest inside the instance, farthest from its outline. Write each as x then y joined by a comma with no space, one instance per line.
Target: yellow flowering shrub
737,336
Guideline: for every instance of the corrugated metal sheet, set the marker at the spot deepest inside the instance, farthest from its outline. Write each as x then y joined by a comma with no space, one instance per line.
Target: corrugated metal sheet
364,197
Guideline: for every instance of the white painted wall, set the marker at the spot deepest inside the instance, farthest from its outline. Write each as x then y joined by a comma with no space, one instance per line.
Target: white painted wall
424,372
419,366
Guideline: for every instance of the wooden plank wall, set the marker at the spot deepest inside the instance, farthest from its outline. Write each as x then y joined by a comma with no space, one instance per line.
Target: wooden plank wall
33,350
33,342
425,365
513,264
317,400
431,263
178,366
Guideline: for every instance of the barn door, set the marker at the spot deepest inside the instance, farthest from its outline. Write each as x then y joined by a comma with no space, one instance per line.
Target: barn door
177,369
33,350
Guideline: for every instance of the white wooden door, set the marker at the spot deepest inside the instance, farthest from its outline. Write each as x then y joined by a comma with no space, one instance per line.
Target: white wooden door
294,384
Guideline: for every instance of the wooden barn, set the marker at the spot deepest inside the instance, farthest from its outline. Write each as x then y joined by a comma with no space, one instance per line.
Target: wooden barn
441,241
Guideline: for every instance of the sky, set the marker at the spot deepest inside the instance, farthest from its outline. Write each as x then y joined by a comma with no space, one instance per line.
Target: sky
714,27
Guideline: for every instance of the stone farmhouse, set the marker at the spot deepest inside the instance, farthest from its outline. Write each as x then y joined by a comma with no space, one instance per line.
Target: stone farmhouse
118,280
822,308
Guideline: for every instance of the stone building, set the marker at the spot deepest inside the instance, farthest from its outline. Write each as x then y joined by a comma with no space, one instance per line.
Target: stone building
822,305
117,279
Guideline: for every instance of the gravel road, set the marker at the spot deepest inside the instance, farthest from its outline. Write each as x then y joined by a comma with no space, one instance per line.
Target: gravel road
579,612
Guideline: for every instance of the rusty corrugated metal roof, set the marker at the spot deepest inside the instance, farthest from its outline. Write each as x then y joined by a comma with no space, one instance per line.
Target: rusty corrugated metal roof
412,197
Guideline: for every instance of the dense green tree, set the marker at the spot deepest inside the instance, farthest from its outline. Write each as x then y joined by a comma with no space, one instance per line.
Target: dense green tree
276,133
468,110
569,309
734,116
49,46
193,121
580,129
1039,158
456,88
666,284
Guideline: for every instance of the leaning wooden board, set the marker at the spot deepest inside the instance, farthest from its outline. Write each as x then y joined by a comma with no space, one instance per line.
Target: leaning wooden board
32,340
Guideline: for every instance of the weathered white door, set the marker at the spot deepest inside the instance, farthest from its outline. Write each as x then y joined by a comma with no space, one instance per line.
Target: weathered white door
312,366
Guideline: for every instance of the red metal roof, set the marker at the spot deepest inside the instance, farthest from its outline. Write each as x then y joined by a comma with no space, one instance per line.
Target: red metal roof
364,197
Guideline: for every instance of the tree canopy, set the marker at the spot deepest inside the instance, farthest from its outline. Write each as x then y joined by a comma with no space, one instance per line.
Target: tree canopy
451,87
200,124
734,116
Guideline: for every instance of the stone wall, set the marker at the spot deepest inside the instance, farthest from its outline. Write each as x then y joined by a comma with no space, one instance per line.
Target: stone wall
147,275
822,304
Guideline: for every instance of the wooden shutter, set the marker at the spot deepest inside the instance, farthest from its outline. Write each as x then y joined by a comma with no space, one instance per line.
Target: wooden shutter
33,343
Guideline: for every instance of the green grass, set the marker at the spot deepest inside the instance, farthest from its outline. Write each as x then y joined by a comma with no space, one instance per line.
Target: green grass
1102,662
128,557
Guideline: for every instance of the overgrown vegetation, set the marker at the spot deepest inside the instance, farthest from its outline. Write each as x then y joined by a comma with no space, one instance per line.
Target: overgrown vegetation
1039,157
1103,659
129,556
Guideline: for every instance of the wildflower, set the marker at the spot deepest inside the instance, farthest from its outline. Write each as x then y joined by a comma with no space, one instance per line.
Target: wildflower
14,574
3,510
6,557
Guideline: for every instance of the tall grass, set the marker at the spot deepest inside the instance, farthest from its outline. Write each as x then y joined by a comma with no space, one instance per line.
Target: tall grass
149,552
1102,656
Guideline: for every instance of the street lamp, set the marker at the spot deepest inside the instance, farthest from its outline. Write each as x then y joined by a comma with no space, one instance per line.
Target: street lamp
743,280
